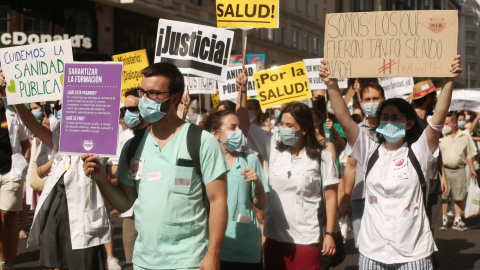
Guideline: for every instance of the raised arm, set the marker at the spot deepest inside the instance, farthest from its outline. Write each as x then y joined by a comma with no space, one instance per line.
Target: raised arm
43,133
443,104
474,123
241,110
339,107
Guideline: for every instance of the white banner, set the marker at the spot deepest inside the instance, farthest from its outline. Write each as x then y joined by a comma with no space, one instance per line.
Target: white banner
199,85
313,67
35,72
465,100
195,49
228,90
396,86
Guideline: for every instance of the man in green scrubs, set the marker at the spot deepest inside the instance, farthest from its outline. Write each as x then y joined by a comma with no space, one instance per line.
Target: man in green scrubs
174,230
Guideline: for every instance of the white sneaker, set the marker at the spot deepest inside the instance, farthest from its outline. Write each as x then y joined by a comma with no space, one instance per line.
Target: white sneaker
112,264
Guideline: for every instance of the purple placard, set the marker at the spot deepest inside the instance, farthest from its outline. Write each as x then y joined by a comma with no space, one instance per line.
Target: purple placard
90,109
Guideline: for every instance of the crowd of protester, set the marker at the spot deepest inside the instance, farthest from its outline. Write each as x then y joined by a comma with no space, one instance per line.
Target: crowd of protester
237,187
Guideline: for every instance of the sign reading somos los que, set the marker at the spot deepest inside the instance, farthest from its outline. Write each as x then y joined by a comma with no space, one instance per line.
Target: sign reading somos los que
248,13
35,72
195,49
282,85
419,43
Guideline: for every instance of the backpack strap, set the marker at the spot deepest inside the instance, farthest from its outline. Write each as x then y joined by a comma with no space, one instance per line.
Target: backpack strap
371,161
132,147
421,177
194,138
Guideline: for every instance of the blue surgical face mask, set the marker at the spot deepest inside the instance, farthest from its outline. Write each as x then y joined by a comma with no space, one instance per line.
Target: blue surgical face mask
234,139
251,116
150,109
38,114
276,114
391,131
287,135
132,119
461,124
371,108
58,115
467,117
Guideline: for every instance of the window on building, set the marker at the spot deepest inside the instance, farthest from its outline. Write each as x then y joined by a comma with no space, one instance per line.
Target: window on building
306,43
271,34
296,39
4,19
315,46
316,11
472,35
473,83
471,50
473,67
407,5
470,20
361,5
297,5
306,7
283,36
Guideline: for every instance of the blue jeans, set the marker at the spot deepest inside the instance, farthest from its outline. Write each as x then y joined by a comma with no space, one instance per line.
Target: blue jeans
357,213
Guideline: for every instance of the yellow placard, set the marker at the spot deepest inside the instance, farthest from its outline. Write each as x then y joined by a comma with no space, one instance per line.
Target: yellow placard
215,99
133,63
282,85
247,13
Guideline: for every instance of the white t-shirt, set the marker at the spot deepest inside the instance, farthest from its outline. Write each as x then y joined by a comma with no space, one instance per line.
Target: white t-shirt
295,191
394,228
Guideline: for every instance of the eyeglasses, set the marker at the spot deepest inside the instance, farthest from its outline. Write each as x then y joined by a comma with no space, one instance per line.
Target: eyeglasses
130,109
395,117
152,94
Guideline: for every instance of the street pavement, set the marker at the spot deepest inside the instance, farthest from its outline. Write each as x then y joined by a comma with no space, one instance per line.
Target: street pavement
456,250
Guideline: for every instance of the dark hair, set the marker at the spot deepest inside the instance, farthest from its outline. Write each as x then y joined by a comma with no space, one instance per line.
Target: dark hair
372,84
302,114
228,104
132,92
406,109
46,108
460,114
175,78
451,114
214,121
320,116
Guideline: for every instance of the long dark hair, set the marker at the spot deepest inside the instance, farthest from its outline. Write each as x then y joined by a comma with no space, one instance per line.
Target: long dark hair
406,109
302,114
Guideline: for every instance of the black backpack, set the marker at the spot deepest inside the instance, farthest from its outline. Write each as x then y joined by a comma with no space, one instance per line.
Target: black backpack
413,159
194,136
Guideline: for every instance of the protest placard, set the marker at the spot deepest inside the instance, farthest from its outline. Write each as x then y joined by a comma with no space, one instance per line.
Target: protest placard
133,63
396,86
215,99
312,66
248,13
282,85
420,43
465,100
228,90
91,108
195,49
199,85
35,72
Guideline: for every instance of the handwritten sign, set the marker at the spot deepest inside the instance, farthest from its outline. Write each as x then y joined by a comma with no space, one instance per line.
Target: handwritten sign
312,66
248,13
195,49
35,72
199,85
229,89
396,86
282,85
133,63
419,43
91,108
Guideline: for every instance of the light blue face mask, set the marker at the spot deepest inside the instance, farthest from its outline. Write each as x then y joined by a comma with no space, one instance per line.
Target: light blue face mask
392,132
277,114
371,108
58,115
234,139
461,124
287,135
132,119
150,109
251,116
38,114
467,117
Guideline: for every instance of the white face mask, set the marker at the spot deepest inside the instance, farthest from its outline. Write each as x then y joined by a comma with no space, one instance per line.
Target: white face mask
447,130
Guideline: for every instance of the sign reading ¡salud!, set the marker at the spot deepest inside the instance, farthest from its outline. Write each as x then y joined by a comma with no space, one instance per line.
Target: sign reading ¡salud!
247,13
421,43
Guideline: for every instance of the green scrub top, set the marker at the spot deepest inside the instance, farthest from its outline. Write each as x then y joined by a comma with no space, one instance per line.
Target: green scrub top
170,216
243,241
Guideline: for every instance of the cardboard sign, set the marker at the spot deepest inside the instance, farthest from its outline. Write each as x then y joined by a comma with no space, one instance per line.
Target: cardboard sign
199,85
313,67
421,43
229,89
195,49
35,72
91,108
215,99
282,85
248,13
133,64
396,86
